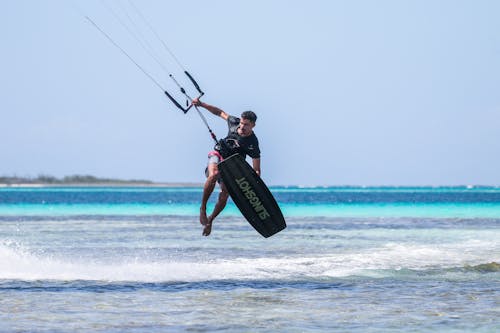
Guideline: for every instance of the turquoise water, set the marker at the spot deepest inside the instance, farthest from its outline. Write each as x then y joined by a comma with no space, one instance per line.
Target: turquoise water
449,210
353,207
351,260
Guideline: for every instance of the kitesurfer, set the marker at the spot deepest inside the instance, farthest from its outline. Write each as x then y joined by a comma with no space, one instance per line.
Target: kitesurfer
240,139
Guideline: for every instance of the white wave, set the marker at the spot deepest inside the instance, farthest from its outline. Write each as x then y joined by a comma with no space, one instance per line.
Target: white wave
17,263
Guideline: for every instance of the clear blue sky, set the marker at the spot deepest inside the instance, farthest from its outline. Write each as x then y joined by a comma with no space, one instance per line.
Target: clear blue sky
347,92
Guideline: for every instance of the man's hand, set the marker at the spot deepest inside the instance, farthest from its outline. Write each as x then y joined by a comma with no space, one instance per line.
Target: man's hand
196,102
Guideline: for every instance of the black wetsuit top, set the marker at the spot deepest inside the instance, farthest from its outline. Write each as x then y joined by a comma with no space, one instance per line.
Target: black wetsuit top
248,145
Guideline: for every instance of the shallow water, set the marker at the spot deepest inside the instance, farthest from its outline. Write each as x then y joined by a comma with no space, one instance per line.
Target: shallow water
351,260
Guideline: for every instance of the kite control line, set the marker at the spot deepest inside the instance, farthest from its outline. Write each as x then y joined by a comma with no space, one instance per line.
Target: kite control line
189,100
108,37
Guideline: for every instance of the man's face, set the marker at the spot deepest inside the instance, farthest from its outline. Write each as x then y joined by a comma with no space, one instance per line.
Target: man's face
246,127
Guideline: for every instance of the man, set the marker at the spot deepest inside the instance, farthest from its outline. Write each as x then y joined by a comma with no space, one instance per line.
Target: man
242,140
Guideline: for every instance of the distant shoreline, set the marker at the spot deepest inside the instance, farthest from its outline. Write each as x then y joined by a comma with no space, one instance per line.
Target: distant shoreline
121,184
44,181
85,181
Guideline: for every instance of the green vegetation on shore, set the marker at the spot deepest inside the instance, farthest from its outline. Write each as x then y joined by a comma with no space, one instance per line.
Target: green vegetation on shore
74,179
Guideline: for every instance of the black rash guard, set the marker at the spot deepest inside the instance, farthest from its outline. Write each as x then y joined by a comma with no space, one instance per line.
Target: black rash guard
248,145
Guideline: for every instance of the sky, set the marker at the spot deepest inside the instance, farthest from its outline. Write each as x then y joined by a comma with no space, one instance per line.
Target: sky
362,93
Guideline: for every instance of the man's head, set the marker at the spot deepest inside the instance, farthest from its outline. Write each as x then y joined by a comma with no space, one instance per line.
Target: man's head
247,123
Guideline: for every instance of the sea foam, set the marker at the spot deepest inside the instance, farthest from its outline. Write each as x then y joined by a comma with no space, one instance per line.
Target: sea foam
18,263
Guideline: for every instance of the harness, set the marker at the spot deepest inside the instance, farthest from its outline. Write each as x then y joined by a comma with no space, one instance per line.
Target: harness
227,147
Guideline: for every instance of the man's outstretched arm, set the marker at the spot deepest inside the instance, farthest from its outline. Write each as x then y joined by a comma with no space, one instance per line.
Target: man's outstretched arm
213,109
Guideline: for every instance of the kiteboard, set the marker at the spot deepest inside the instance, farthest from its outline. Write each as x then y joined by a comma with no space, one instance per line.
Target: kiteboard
251,196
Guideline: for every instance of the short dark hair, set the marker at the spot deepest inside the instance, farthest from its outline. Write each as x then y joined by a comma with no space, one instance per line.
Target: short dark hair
249,115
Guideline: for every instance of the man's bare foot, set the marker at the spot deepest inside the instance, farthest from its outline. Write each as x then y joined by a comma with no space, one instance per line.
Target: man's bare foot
207,230
203,216
208,227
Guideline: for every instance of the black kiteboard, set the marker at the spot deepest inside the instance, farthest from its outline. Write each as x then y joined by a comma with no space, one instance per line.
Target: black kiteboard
251,196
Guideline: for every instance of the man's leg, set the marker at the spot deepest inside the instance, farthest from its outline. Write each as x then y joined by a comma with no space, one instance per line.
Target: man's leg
207,191
219,206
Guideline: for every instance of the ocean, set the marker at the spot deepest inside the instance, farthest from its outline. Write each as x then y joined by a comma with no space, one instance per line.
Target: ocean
352,259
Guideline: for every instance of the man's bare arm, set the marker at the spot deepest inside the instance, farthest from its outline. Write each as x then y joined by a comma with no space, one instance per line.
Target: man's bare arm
256,165
213,109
